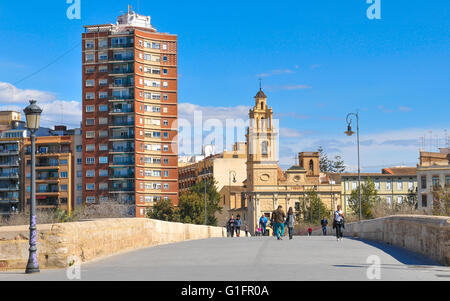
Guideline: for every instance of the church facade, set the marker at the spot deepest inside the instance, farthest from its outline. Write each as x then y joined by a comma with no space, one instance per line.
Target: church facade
267,186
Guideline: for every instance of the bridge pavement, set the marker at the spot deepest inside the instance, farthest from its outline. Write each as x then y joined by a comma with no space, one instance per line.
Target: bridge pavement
254,259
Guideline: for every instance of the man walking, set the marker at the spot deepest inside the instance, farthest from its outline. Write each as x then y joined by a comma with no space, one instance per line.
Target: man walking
338,222
263,223
324,223
237,225
280,217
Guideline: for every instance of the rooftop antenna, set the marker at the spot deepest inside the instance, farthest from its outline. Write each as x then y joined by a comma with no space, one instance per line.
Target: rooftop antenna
431,141
447,139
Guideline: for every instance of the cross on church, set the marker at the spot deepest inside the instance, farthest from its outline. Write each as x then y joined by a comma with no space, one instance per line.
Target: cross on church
260,83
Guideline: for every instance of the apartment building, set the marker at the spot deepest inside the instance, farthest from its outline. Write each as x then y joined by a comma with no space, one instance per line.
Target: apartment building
129,113
54,172
9,175
393,185
433,174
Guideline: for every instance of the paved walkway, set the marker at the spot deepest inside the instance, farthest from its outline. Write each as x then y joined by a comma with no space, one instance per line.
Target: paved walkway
254,259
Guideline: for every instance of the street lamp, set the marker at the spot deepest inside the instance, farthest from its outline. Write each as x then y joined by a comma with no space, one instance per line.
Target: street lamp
315,189
33,116
231,172
349,133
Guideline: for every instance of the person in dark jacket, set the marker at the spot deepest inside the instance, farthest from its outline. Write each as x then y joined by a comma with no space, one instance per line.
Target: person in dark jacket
230,225
238,225
324,223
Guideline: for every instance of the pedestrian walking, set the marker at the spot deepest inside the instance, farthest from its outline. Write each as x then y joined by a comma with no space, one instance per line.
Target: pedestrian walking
237,225
338,222
246,229
279,219
290,221
324,223
263,223
230,223
309,231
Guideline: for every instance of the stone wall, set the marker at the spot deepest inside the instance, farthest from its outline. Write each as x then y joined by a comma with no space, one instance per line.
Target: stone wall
94,239
428,235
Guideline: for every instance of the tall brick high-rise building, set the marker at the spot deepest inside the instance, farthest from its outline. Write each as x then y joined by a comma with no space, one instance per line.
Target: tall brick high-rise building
129,113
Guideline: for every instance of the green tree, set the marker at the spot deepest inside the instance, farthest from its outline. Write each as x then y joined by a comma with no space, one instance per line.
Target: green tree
311,208
164,210
441,201
192,204
328,165
369,198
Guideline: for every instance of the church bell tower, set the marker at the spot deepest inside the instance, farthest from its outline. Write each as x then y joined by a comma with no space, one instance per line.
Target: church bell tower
262,148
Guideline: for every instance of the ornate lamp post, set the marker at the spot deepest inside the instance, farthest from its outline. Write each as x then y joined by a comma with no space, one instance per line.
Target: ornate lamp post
231,172
33,115
349,133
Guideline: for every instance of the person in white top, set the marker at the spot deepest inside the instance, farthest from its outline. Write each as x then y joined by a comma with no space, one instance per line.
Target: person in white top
338,222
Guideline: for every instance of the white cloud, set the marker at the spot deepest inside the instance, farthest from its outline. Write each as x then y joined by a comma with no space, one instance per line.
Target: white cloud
10,94
404,109
383,149
186,111
276,72
55,111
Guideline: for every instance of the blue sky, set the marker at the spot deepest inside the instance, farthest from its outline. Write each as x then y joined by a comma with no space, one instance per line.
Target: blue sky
318,60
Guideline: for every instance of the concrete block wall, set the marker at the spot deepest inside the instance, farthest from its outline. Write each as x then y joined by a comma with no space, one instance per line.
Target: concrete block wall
427,235
89,240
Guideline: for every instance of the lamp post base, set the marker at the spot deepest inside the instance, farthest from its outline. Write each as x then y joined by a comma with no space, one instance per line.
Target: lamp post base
32,271
32,266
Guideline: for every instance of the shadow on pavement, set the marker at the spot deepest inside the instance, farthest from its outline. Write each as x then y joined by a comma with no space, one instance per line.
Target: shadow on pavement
405,256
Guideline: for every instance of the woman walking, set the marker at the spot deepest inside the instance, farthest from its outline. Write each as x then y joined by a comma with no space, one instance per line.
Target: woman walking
290,221
338,222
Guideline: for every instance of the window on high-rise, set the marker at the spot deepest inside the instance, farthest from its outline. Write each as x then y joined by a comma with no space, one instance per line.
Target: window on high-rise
90,147
103,43
90,83
90,186
103,160
165,97
90,108
165,58
89,58
90,96
90,44
90,173
103,108
90,134
103,68
103,56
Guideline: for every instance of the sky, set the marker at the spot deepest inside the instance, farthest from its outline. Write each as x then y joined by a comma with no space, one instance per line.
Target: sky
318,61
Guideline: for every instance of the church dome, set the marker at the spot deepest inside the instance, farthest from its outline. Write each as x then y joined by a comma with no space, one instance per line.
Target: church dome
260,94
